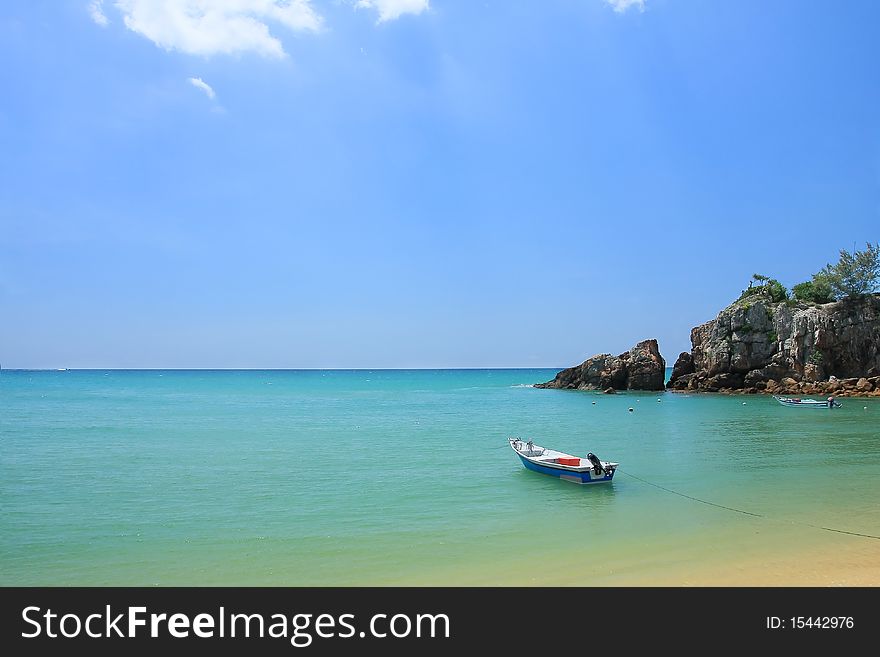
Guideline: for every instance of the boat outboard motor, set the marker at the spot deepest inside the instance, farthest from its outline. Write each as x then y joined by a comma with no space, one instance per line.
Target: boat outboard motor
597,464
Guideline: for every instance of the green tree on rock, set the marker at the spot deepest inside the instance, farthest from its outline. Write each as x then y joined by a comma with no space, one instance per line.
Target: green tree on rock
855,274
816,291
767,287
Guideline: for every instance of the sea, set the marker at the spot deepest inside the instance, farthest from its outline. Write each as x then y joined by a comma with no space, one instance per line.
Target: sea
405,478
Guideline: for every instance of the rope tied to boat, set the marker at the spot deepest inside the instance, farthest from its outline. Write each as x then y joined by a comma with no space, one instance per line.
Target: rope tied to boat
690,497
748,513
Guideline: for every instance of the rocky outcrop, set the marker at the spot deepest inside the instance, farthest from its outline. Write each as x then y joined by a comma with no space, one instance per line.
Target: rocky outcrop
683,365
755,345
640,368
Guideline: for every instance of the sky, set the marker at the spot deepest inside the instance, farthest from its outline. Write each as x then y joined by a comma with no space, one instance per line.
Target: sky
418,183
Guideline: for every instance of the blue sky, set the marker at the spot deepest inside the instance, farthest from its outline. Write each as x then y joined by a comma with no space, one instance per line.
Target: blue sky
418,183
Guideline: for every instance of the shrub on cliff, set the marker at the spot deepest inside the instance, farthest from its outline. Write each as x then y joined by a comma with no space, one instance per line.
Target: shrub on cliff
855,274
816,291
767,287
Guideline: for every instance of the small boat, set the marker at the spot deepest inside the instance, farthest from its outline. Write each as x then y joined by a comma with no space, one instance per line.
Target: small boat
589,470
807,403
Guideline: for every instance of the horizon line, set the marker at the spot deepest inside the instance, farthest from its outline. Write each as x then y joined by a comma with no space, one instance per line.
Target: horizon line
276,369
267,369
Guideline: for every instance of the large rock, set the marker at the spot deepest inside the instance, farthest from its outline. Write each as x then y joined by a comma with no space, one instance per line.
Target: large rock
640,368
754,342
684,365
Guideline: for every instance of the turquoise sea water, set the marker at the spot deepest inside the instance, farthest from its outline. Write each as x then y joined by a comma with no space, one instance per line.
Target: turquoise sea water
405,477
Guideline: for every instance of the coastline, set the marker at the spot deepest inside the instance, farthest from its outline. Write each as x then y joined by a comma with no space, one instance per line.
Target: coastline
845,562
775,393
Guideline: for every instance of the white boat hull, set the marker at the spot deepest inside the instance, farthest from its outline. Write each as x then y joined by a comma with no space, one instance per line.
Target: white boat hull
797,402
559,464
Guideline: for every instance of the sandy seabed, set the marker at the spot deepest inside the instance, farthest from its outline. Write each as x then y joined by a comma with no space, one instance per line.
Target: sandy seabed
830,560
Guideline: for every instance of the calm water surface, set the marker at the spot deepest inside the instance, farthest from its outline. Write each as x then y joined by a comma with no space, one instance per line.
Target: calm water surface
404,477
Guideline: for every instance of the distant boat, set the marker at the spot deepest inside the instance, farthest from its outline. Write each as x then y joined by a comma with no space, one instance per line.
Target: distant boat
589,470
797,402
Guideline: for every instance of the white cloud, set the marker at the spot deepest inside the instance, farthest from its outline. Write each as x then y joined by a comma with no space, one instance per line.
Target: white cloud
204,86
96,11
391,9
621,6
209,27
